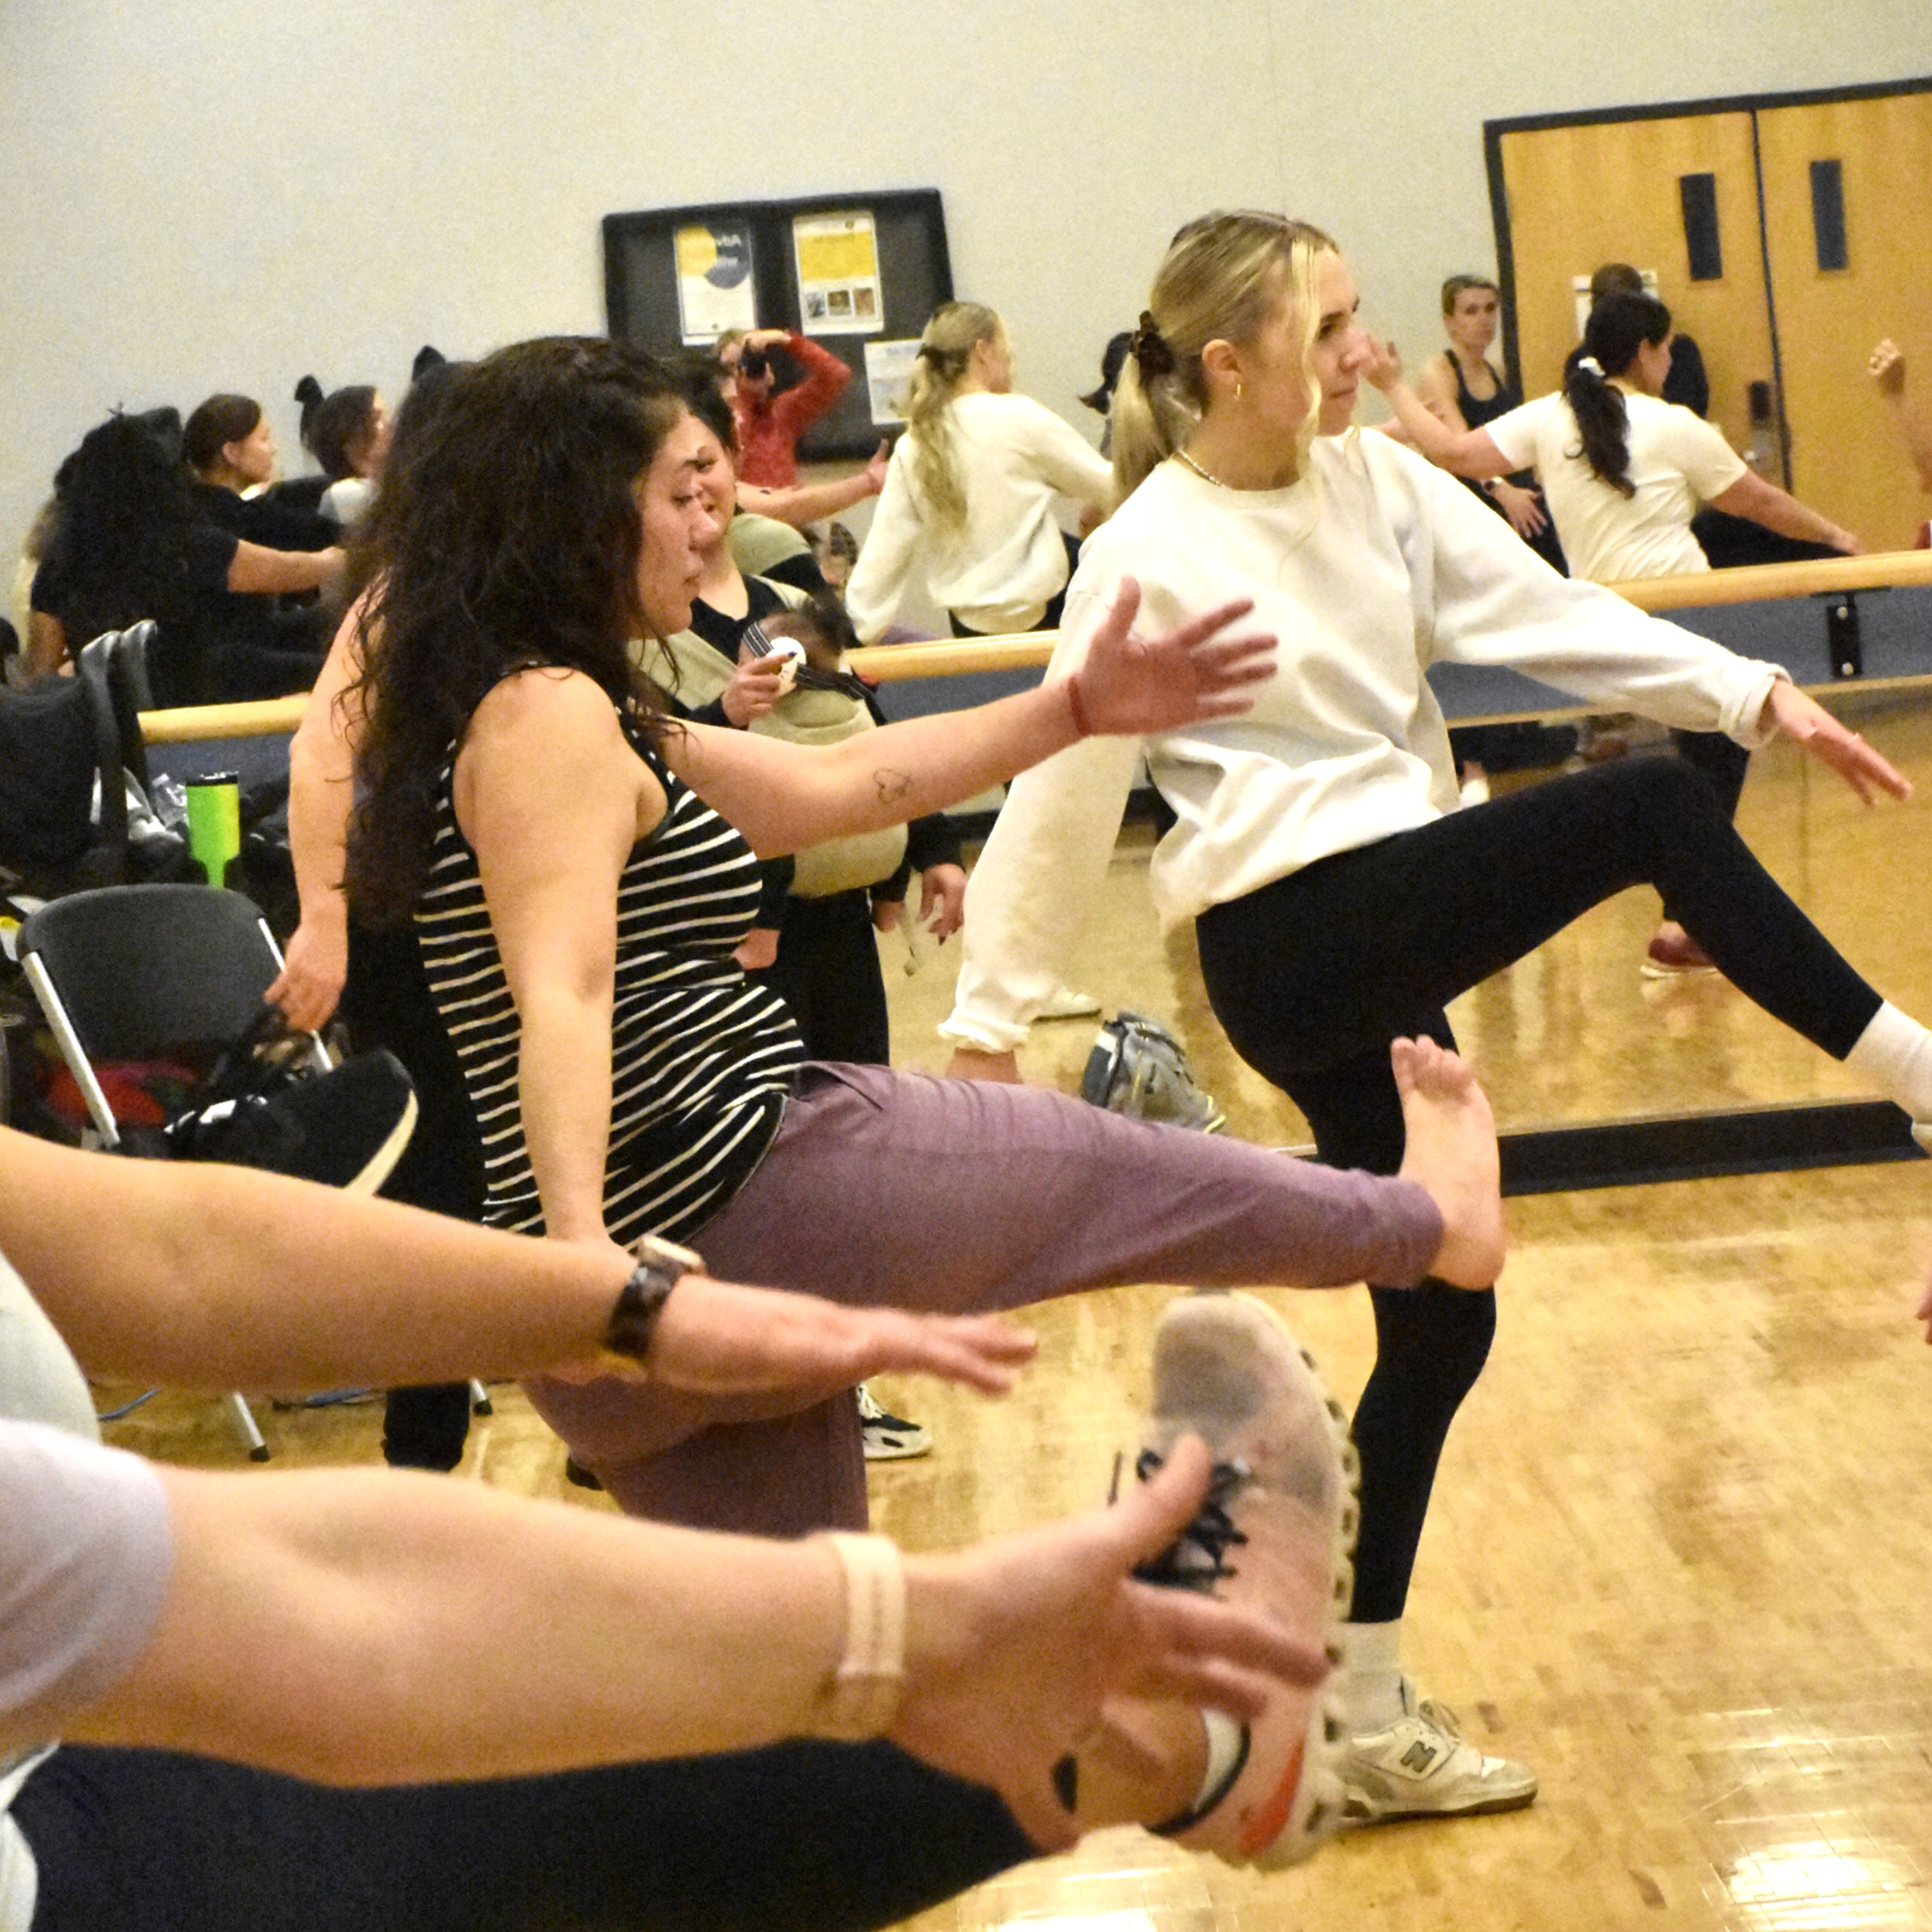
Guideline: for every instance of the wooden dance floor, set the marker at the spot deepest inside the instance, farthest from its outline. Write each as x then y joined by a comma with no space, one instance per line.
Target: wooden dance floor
1677,1560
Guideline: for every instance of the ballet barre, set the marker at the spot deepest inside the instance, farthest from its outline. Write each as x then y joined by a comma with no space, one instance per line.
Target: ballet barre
885,664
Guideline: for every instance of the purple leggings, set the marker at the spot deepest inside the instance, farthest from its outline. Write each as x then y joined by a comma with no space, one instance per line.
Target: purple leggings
956,1197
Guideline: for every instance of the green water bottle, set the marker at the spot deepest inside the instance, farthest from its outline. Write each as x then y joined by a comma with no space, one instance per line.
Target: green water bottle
214,823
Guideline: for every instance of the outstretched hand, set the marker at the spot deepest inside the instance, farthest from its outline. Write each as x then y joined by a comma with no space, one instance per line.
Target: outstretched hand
1014,1648
1808,724
1130,685
719,1338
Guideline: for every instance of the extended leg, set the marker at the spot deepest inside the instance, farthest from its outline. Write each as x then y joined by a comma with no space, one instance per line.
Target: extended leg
825,1836
953,1196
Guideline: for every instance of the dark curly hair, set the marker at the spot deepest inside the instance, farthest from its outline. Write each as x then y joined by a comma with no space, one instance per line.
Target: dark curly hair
124,509
506,535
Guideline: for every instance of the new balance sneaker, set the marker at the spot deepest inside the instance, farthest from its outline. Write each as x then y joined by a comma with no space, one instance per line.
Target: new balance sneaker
888,1438
1277,1533
1138,1067
347,1128
1420,1767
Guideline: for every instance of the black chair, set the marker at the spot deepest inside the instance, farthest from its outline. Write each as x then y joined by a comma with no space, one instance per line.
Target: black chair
151,972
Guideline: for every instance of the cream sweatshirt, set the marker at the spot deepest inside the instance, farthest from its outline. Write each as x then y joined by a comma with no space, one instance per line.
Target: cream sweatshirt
999,574
1371,567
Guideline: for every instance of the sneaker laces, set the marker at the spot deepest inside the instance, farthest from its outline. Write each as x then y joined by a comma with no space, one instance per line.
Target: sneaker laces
1431,1712
1196,1559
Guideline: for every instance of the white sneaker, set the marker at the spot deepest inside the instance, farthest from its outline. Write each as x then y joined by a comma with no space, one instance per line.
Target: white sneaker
888,1438
1420,1767
1275,1534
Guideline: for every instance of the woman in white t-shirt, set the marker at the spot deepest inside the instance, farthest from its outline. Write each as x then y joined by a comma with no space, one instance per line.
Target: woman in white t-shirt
1623,473
972,487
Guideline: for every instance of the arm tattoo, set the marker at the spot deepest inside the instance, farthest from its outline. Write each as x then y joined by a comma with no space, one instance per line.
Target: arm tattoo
892,786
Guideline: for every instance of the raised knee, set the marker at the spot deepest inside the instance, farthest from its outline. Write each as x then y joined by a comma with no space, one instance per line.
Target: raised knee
1671,787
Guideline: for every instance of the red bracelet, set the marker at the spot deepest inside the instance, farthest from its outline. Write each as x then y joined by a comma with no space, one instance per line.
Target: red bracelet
1079,710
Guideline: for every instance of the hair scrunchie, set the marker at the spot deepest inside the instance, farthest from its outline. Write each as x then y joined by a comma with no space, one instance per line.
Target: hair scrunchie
1150,349
1590,366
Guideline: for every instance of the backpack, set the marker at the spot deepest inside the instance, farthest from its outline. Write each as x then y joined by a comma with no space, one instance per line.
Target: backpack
47,766
1137,1067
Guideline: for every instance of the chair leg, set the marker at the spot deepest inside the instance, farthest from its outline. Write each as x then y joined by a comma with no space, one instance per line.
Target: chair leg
244,1422
480,1403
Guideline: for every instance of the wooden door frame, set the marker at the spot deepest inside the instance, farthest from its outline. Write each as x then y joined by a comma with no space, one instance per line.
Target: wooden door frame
1752,104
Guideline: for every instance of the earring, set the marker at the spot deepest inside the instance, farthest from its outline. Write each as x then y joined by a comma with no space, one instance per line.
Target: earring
1238,388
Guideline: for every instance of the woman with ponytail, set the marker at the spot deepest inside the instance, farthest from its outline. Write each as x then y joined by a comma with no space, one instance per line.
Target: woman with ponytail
971,488
347,433
1339,895
1623,473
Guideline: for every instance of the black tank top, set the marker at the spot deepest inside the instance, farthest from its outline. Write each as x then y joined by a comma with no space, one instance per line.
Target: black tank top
1475,413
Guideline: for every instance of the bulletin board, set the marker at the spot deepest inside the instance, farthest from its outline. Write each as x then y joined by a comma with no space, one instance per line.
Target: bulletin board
859,274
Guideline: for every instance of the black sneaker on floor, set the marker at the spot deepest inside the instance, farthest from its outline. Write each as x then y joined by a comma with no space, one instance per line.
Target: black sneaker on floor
347,1128
888,1438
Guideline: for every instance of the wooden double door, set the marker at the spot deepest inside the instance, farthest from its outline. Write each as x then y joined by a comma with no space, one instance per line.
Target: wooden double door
1574,192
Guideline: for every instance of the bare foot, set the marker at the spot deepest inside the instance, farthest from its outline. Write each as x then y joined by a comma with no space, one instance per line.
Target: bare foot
1451,1153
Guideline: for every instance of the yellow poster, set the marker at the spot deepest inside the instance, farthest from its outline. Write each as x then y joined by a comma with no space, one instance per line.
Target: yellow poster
838,259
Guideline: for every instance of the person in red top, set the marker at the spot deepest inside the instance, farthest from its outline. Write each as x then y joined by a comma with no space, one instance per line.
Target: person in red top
769,425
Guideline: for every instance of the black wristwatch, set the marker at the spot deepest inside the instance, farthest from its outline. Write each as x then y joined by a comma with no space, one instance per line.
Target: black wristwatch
660,1266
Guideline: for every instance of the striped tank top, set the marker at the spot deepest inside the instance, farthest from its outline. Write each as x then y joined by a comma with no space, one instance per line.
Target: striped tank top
701,1059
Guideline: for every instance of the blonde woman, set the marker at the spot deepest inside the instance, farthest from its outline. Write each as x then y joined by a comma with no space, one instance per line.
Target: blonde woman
1339,896
971,489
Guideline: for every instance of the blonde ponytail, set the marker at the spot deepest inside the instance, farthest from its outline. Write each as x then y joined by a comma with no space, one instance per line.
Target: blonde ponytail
1223,277
945,353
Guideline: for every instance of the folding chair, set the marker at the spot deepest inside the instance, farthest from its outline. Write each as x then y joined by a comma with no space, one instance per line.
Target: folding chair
148,972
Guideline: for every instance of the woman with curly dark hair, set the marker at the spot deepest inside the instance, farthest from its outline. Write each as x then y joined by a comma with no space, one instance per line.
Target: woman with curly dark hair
579,870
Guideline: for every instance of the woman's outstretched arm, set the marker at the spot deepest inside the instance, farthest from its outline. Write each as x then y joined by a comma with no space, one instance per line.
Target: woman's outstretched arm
207,1276
323,1624
1464,452
785,797
257,568
1750,496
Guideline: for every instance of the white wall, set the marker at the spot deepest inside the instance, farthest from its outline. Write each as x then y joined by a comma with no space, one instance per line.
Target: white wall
205,194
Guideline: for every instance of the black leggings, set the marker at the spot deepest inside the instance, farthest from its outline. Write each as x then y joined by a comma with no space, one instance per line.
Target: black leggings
1313,976
839,1837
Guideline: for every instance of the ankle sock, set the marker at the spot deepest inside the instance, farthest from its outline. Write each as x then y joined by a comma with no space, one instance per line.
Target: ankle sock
1894,1053
1371,1678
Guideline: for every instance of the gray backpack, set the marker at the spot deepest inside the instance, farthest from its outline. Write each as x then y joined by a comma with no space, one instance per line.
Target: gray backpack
1138,1067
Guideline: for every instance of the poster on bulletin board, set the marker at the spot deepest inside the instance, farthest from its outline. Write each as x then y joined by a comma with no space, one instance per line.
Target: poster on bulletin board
838,258
715,290
859,273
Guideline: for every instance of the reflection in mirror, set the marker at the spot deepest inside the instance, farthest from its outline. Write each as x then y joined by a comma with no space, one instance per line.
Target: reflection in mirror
1572,1034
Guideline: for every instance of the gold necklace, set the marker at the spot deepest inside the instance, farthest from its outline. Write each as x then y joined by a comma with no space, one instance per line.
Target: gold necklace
1204,476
